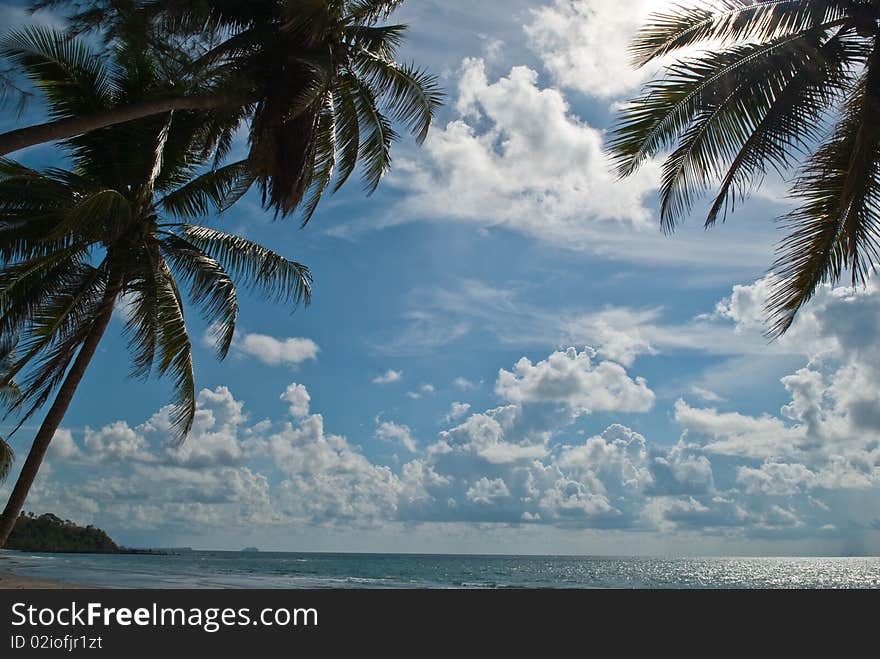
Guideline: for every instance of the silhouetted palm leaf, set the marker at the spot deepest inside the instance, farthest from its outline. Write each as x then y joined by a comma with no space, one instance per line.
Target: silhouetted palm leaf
114,218
762,100
280,67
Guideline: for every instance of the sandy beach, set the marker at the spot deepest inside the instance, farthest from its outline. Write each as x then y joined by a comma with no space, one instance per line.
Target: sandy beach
12,581
15,582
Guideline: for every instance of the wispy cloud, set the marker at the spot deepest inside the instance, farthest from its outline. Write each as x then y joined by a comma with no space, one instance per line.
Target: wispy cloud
389,377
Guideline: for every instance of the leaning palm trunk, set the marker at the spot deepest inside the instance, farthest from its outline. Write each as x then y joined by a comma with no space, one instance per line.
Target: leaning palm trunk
56,414
61,129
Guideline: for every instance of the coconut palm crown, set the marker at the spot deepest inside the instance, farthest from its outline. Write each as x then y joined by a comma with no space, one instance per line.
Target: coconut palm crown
316,81
118,225
786,84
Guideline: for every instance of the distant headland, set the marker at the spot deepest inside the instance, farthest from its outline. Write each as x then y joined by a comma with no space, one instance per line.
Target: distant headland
49,533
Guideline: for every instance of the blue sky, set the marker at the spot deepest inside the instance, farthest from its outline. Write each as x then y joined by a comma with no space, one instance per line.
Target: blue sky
504,354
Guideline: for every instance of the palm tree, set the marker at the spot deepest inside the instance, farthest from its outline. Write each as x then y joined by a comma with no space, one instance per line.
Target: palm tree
790,83
316,80
118,224
9,392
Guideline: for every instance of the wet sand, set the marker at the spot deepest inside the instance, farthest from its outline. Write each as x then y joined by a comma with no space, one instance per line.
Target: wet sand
15,582
12,581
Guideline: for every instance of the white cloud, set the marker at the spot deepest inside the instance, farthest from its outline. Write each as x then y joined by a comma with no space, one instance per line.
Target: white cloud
277,352
621,334
63,447
424,390
464,384
213,440
571,378
328,481
584,44
486,491
457,410
298,397
776,479
706,395
115,442
489,437
396,433
518,157
389,377
735,434
793,474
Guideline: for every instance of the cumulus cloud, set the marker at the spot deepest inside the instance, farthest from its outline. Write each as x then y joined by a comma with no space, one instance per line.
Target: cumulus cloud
395,433
827,435
518,157
115,442
456,411
298,397
584,44
277,352
810,470
63,447
571,379
389,377
213,440
326,480
489,437
485,491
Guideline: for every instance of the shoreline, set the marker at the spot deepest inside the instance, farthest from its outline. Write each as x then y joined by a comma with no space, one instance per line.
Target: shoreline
12,581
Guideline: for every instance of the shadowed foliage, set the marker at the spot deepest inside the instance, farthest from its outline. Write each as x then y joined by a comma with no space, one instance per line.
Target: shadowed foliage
785,84
316,82
118,226
50,533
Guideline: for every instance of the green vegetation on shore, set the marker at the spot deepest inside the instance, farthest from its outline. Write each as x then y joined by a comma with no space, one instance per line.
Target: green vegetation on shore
50,533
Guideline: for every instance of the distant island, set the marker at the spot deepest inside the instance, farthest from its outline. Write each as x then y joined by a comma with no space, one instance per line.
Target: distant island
50,533
250,550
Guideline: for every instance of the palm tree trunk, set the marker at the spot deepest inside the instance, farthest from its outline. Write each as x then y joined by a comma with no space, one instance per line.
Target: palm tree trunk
72,126
56,413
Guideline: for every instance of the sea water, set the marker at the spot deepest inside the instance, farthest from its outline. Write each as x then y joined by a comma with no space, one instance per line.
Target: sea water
216,569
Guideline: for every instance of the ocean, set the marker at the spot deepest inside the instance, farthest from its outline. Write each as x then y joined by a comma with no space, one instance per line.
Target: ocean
217,569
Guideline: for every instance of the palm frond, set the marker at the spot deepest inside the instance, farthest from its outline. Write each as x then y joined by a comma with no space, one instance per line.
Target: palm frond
101,214
792,122
56,327
142,311
730,20
212,190
210,287
9,391
369,12
348,134
412,96
175,350
20,281
7,459
282,153
260,268
377,136
666,108
381,41
838,226
55,336
713,105
325,161
71,78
